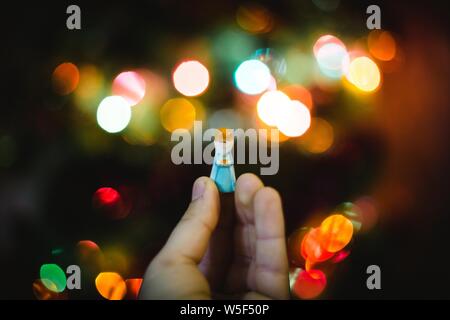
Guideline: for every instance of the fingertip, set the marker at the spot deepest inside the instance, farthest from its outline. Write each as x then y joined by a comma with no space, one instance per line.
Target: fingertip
203,187
248,178
267,196
246,187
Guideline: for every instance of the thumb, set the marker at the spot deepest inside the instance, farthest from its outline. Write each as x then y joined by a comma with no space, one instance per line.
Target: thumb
189,240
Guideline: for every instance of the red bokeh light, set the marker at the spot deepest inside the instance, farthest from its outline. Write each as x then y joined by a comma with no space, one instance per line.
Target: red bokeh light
112,203
107,196
309,284
133,287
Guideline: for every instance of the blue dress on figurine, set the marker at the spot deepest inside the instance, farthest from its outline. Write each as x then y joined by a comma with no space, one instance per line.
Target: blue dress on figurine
223,166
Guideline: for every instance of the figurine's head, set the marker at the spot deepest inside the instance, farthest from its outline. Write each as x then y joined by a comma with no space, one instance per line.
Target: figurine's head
223,141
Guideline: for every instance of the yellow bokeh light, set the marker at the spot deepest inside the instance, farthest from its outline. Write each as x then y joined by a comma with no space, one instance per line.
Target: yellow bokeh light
382,45
143,126
336,231
89,89
111,285
177,113
65,78
319,137
191,78
364,74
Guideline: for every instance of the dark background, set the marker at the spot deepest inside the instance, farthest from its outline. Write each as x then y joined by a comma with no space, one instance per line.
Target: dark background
401,158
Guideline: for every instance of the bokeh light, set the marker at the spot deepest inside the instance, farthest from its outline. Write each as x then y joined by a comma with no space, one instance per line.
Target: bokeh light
88,252
252,77
157,87
57,251
65,78
300,93
111,285
309,284
295,119
107,196
116,259
90,88
340,256
319,138
231,46
53,277
271,107
133,287
336,231
364,74
351,212
254,18
111,203
225,118
177,113
273,60
191,78
326,39
382,45
300,67
311,247
129,85
144,126
367,211
270,133
41,292
331,56
113,114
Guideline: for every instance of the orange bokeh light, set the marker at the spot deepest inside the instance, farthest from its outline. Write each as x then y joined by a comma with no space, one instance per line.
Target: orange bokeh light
300,93
336,231
319,138
382,45
312,248
65,78
111,285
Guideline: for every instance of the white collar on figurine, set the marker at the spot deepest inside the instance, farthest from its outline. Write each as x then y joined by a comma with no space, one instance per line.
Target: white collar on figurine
223,144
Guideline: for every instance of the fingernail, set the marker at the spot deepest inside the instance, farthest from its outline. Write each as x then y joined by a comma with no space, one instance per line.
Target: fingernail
198,189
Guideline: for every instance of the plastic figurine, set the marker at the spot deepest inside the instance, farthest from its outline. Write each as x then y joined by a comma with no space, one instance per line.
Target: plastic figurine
223,166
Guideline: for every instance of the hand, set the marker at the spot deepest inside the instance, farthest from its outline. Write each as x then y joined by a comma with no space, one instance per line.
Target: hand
237,254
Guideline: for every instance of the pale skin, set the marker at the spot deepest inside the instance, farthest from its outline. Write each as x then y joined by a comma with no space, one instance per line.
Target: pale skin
224,251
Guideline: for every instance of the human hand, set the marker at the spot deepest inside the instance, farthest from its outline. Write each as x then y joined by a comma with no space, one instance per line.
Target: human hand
235,254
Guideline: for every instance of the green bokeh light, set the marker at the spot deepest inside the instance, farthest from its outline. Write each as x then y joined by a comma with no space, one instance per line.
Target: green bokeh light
53,277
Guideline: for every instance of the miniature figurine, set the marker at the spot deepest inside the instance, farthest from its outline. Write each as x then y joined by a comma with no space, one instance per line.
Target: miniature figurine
223,166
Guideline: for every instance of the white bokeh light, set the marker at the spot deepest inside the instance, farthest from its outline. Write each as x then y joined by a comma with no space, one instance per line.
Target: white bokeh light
252,77
113,114
271,107
295,120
